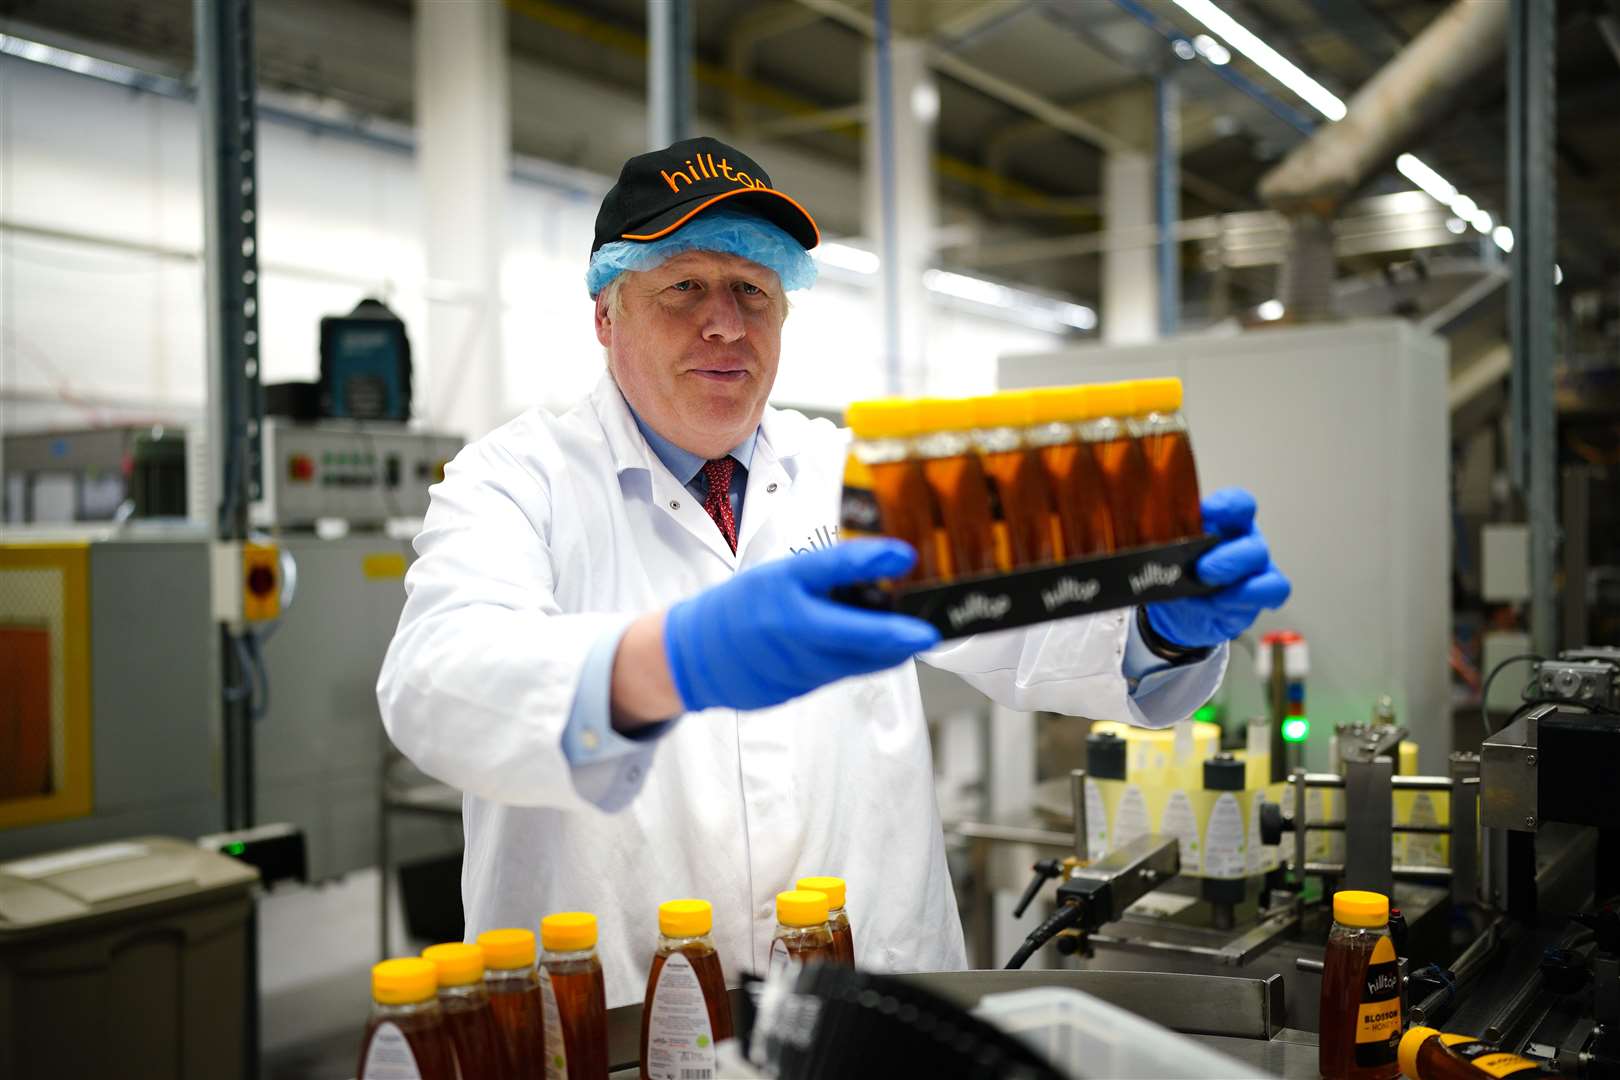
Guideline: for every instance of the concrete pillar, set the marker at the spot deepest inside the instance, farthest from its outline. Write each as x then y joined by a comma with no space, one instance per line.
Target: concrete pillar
900,202
1130,304
464,142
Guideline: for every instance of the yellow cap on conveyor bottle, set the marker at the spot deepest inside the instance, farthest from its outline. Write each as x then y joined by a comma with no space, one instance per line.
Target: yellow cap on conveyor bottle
1353,907
1064,404
568,931
946,414
685,918
457,963
507,949
404,981
801,907
885,418
1009,408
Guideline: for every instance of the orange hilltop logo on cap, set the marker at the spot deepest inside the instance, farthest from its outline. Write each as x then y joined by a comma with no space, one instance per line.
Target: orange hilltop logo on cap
706,169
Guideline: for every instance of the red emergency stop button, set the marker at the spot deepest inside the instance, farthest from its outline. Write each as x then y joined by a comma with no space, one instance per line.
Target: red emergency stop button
301,467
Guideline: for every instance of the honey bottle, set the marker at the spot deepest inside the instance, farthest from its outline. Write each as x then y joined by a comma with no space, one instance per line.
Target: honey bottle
1121,466
955,475
406,1034
1081,521
513,987
1427,1054
1360,1017
1020,494
474,1035
1171,511
686,1010
885,492
802,934
575,1003
837,918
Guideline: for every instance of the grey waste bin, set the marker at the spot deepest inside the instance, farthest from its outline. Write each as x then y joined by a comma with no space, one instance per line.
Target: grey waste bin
124,960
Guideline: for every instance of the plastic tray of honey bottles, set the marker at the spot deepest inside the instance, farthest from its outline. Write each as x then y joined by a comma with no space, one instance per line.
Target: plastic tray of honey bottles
1027,506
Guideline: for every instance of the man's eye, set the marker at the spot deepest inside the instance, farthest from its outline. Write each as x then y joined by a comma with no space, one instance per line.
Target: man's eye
684,286
750,289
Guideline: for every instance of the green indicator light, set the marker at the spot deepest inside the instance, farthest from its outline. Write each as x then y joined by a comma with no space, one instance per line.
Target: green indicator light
235,849
1295,729
1207,714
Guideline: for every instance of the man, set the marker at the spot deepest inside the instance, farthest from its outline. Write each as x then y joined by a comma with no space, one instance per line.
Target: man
609,647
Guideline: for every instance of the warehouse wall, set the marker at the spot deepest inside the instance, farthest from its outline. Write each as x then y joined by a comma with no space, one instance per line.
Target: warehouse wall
101,291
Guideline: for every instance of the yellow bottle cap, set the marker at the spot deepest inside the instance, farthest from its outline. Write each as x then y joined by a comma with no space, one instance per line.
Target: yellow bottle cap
889,418
1411,1042
1352,907
568,931
1158,395
832,886
1061,405
457,962
505,950
685,918
1009,408
1114,399
946,414
404,981
801,907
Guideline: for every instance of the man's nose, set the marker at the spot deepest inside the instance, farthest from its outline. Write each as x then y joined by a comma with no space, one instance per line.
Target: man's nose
722,317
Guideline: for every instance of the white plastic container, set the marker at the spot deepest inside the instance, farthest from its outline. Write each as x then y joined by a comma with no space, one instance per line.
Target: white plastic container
1090,1039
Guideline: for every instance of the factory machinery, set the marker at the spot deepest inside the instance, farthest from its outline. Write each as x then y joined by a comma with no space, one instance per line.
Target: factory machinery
1505,872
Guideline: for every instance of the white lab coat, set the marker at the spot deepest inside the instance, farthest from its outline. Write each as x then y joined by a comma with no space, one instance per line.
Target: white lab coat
552,531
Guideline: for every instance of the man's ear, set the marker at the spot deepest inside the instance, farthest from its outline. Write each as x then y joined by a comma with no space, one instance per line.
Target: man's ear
604,320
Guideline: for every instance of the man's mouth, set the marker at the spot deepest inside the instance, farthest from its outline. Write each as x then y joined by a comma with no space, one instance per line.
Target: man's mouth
722,373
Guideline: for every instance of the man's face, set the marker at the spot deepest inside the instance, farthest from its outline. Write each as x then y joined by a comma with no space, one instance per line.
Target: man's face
694,347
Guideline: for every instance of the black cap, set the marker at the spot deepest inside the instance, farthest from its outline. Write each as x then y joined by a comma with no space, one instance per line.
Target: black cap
1105,755
658,192
1223,772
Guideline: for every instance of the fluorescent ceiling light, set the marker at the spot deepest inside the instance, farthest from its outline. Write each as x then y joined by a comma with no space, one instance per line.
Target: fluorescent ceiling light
1438,187
1271,310
1503,236
1271,61
1041,309
1211,50
80,64
846,257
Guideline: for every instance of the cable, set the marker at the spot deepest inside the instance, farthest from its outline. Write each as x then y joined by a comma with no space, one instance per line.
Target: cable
1485,694
1063,918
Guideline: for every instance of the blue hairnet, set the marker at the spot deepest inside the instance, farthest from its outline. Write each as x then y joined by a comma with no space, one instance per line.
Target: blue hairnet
727,231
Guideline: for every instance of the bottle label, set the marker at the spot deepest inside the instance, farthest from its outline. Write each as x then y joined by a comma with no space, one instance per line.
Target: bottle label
1491,1061
1180,823
1130,820
389,1056
1378,1020
556,1051
1226,839
1096,821
680,1043
859,512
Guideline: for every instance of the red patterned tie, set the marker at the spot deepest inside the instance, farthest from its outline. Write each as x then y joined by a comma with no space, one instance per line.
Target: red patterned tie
718,501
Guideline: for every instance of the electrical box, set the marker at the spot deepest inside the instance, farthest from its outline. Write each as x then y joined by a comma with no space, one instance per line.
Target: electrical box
360,472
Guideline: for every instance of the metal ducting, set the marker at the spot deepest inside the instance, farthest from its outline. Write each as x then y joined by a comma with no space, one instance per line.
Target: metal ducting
1410,92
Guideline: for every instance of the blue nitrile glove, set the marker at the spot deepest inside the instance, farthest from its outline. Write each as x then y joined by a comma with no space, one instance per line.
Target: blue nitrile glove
771,633
1241,561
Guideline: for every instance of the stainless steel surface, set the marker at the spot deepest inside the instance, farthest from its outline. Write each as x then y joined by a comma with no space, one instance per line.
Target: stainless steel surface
1195,1004
1237,951
1464,828
1292,1054
1011,834
1077,799
1398,783
1436,875
1369,808
1299,779
1122,877
1305,963
1507,774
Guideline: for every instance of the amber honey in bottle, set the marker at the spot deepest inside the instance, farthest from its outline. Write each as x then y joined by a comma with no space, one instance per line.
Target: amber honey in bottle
802,934
1081,521
1361,991
1427,1054
474,1036
686,1010
885,492
1020,494
837,916
406,1034
1171,511
1121,466
513,987
955,475
575,1002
